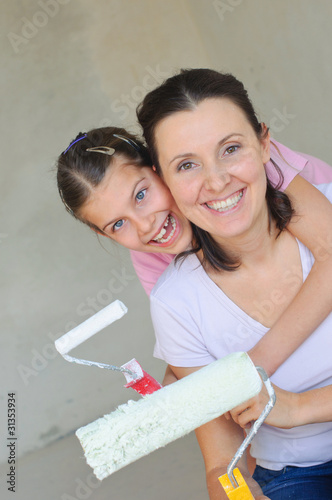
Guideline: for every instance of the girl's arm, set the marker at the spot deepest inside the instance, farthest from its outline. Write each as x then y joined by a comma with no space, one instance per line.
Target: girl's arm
291,409
218,441
312,225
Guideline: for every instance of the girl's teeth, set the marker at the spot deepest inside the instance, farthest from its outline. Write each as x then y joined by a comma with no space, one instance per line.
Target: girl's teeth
159,238
161,234
223,206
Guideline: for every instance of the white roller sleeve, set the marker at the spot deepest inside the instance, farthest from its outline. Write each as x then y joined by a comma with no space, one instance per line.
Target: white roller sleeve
137,428
85,330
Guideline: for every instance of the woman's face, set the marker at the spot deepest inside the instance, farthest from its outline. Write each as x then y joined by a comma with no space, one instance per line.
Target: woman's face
134,207
213,163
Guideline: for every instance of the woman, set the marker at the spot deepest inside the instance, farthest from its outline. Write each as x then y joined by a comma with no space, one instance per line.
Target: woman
205,138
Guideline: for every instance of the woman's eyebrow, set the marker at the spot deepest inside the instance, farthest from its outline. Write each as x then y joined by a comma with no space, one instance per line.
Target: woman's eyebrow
220,143
132,195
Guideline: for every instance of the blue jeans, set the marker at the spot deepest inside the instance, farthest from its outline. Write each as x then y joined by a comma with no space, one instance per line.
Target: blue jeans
296,483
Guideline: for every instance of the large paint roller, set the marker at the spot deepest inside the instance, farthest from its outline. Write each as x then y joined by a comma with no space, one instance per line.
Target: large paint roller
137,428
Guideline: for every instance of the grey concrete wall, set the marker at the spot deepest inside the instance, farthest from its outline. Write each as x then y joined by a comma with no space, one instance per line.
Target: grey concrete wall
71,65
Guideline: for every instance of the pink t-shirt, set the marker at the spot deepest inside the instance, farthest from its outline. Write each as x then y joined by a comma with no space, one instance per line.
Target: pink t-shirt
150,266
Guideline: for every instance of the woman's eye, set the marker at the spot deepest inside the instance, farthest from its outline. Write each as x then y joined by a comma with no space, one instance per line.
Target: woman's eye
140,195
186,166
118,224
231,149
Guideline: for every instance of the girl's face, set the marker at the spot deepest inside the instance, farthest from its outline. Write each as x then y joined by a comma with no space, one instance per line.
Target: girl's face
213,163
134,207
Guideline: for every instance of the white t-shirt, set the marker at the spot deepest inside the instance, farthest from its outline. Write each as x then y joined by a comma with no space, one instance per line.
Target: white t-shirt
196,323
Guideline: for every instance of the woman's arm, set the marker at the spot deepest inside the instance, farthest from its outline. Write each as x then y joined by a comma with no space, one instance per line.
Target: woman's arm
312,225
218,441
291,409
169,376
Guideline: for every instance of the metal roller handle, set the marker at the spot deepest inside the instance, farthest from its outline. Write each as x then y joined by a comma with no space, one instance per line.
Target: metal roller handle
254,428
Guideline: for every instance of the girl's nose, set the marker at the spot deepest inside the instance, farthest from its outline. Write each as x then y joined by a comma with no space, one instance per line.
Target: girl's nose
145,223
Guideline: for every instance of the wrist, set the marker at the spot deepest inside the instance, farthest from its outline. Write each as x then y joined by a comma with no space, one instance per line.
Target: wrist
297,410
259,358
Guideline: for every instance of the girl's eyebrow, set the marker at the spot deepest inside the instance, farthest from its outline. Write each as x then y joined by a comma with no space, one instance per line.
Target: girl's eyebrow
220,143
132,195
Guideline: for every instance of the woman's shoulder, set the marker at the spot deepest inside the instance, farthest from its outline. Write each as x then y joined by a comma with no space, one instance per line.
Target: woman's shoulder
179,278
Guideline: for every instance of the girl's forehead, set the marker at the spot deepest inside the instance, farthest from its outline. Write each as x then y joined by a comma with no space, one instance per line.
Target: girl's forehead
122,169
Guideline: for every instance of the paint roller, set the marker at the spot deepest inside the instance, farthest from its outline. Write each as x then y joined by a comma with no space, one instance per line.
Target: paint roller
136,377
137,428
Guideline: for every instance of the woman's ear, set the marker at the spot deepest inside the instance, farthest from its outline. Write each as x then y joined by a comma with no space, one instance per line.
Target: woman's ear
265,143
154,168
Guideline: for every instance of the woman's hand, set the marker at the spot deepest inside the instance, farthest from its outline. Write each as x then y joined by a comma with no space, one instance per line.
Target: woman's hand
282,415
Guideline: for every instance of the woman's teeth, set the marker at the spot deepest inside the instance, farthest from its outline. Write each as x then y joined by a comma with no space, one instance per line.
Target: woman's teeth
224,205
159,238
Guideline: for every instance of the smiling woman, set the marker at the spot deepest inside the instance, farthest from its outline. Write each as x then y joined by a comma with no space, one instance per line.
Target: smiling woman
221,183
211,150
215,155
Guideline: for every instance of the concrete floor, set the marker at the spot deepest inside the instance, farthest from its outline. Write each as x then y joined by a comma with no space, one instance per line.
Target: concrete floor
70,65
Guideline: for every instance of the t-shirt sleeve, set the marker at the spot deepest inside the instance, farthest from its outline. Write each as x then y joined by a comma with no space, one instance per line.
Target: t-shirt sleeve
292,163
149,267
178,338
316,171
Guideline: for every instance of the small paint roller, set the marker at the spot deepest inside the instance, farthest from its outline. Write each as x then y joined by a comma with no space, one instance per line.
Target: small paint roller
137,428
136,377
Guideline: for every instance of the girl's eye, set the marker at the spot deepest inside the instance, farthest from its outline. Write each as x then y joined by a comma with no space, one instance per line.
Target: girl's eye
140,195
118,224
231,149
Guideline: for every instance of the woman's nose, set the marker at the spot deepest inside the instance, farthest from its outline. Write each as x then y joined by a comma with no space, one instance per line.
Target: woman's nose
215,178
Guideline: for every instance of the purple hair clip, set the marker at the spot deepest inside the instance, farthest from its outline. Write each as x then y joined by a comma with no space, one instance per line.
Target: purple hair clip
74,142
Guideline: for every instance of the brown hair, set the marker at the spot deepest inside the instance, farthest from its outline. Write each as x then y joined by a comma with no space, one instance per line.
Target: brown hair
79,170
183,92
